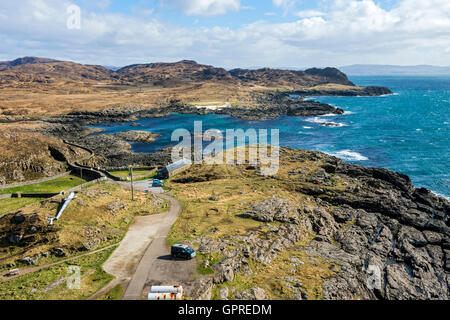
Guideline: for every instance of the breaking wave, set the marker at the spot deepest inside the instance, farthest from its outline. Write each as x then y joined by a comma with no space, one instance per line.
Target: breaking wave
350,155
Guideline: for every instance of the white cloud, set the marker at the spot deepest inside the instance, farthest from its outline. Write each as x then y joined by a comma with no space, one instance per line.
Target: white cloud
350,31
286,4
309,13
204,7
283,3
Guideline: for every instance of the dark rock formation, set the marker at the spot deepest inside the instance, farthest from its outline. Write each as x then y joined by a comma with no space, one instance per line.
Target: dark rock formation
138,136
388,239
355,91
332,75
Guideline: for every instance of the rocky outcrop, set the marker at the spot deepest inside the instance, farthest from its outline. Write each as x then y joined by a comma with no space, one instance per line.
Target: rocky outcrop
138,136
330,75
30,156
383,238
273,209
24,229
202,289
251,294
280,78
114,207
347,91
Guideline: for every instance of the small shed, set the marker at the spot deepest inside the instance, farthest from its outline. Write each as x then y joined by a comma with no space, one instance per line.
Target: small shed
174,168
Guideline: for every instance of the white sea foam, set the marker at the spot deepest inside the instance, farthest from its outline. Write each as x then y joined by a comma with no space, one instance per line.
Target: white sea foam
389,94
314,120
441,195
325,123
328,115
334,124
350,155
305,127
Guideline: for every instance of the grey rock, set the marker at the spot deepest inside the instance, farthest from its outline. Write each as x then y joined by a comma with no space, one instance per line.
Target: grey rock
18,218
114,207
31,260
15,238
224,293
273,209
202,289
58,252
90,244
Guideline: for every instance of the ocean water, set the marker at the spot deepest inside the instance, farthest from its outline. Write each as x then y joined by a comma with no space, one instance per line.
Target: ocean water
407,132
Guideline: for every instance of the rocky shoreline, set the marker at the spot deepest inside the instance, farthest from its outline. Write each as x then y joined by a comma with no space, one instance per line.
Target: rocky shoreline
270,105
115,149
379,227
370,91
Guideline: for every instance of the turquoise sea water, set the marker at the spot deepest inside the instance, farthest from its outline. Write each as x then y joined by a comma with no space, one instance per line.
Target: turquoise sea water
407,132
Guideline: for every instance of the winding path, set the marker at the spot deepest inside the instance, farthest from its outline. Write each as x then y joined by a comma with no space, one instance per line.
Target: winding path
143,257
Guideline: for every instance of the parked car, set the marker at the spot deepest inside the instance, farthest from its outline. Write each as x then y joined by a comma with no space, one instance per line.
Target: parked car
182,251
157,183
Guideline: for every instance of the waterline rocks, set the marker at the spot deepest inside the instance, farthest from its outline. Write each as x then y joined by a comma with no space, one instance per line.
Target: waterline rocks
138,136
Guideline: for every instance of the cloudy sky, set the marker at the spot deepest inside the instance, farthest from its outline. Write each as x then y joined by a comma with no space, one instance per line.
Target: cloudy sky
229,33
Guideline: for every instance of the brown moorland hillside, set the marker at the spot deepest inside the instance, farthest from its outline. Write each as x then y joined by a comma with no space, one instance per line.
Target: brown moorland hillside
35,87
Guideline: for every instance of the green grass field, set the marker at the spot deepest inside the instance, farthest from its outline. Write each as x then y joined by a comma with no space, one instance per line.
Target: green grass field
136,173
51,186
9,205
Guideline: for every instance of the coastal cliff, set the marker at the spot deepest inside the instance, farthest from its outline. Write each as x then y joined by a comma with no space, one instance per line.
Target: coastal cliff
319,229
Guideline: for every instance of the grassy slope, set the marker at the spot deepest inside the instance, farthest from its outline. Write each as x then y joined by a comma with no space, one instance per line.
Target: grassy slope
236,188
9,205
124,174
53,186
32,285
86,215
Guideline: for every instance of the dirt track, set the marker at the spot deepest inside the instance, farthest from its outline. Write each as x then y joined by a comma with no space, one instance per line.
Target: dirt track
143,258
156,266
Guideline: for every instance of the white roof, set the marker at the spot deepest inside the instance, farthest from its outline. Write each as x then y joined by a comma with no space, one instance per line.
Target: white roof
180,246
181,163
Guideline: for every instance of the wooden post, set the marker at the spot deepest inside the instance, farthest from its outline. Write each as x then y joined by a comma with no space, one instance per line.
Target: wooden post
132,187
81,171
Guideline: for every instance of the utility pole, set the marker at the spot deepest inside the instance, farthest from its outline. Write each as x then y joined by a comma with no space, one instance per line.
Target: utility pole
132,187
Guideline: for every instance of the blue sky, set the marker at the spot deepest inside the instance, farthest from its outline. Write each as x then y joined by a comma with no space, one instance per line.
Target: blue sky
231,33
251,11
